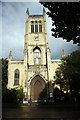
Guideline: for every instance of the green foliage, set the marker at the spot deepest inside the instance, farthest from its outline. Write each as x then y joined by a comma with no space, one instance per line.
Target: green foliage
57,94
66,19
4,66
70,72
20,94
12,95
0,77
58,76
9,95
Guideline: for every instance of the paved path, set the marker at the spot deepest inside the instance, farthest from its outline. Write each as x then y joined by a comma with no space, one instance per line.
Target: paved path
58,112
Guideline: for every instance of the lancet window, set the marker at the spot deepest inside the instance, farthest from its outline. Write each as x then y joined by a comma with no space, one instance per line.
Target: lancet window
37,56
16,77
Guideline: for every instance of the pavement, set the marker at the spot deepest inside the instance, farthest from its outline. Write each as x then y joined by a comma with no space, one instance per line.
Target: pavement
41,112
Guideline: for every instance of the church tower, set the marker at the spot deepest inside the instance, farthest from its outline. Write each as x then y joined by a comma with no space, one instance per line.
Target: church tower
36,54
36,71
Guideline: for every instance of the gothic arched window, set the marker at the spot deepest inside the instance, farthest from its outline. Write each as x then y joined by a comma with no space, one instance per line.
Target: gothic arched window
36,26
40,26
16,77
32,26
36,55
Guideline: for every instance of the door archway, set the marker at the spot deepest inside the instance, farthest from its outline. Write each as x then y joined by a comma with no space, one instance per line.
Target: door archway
37,86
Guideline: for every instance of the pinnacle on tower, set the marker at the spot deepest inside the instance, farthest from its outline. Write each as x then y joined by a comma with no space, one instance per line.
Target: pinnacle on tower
63,54
27,14
27,11
44,11
10,55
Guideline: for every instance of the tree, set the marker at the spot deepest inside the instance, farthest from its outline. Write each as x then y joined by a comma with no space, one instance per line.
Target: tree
70,72
4,66
9,95
19,93
60,77
66,19
57,94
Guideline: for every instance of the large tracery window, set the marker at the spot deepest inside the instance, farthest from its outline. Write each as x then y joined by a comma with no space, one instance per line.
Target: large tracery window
16,77
36,56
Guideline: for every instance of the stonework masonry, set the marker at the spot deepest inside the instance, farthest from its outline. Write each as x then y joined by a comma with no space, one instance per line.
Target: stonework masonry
37,68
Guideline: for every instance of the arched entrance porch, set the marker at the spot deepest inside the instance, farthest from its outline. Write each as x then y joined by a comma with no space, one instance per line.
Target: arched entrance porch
37,86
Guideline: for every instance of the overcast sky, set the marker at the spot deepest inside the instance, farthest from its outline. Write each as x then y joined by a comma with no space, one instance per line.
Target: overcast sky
13,29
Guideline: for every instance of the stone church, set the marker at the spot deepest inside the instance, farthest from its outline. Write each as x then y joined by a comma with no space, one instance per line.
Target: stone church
36,69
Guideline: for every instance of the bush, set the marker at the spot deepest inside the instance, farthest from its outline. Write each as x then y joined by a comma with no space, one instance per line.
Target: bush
20,95
9,96
58,95
12,96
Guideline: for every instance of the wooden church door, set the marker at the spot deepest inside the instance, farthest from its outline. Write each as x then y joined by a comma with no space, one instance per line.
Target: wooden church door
37,89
